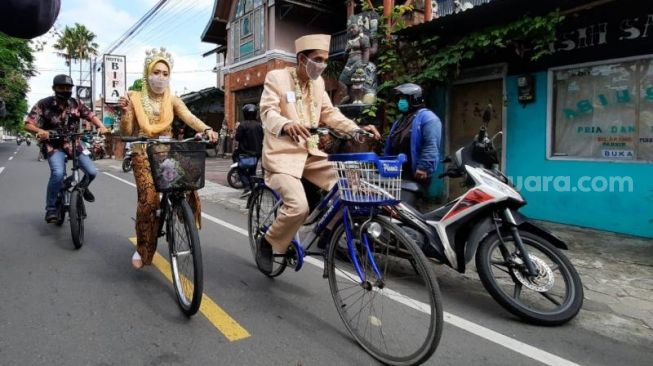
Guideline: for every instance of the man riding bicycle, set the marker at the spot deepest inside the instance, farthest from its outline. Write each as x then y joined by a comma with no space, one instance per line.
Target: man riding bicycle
293,100
63,113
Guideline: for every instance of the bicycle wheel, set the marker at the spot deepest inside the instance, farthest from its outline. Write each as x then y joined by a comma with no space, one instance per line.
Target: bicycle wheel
77,218
397,316
185,257
259,220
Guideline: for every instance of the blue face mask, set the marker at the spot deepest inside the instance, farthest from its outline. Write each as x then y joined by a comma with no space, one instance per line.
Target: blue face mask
402,105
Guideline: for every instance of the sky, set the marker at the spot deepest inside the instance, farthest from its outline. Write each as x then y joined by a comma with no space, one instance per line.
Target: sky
178,27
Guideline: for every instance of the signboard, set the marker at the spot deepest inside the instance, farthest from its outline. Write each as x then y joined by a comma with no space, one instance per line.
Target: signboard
84,94
114,78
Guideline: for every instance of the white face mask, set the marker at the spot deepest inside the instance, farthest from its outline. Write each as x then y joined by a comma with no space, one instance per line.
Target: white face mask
314,69
158,84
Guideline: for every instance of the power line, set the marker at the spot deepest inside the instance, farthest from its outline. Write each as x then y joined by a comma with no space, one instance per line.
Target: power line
160,27
133,29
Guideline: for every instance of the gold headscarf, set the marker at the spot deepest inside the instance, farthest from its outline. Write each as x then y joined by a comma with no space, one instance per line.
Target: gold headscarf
148,123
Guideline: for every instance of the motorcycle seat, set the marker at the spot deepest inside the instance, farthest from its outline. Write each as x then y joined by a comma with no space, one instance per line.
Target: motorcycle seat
437,214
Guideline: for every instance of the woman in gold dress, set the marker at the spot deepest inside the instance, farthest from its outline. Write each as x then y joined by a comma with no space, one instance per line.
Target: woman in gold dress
149,112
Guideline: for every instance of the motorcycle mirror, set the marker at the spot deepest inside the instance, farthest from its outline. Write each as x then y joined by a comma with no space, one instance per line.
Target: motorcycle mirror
500,133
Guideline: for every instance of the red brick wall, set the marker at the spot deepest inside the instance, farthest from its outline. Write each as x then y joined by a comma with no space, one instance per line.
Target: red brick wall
244,79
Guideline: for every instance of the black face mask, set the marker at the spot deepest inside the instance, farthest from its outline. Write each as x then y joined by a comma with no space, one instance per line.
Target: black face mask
64,96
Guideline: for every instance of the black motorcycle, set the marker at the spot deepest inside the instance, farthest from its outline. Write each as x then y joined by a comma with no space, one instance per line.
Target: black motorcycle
519,263
127,160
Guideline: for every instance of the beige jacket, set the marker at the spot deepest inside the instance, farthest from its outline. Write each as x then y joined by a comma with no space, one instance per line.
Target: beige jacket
278,107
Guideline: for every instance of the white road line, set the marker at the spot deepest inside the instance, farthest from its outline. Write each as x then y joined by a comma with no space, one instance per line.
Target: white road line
11,158
1,169
120,179
15,152
471,327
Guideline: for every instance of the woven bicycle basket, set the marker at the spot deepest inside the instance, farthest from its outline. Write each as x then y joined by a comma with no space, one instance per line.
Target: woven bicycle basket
365,178
177,166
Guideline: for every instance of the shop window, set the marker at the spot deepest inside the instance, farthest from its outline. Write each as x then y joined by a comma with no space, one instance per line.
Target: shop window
248,29
604,111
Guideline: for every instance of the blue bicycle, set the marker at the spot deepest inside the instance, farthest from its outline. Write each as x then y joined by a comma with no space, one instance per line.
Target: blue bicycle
383,287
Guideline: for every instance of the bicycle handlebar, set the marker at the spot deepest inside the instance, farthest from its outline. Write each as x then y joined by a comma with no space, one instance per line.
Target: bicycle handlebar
340,135
56,134
159,140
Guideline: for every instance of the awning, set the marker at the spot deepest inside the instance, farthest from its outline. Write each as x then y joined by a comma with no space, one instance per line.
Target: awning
493,13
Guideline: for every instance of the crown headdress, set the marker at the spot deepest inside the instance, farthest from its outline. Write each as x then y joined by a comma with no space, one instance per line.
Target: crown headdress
158,55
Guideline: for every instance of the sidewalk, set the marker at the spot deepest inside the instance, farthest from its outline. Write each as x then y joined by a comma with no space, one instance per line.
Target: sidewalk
616,270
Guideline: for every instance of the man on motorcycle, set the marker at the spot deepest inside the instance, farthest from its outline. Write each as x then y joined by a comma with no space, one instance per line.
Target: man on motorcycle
417,133
61,112
249,135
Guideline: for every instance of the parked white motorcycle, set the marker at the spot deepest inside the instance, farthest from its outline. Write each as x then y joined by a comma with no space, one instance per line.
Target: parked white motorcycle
519,263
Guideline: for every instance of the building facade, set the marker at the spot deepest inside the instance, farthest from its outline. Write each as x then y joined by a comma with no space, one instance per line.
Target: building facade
577,125
257,36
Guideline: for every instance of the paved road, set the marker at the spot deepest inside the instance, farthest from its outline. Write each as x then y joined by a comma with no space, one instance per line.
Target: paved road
89,307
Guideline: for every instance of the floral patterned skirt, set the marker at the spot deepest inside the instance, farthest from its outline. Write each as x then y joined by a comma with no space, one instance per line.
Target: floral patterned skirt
148,204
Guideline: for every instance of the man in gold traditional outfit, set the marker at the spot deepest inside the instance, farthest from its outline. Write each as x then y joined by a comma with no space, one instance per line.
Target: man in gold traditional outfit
149,112
293,100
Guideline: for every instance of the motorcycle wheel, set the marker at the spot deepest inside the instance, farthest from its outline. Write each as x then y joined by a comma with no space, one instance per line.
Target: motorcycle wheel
554,297
233,178
126,165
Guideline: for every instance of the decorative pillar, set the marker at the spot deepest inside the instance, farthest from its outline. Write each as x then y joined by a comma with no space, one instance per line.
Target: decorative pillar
350,8
387,10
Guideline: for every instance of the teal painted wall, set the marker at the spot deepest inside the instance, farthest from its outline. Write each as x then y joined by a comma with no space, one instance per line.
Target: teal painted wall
622,212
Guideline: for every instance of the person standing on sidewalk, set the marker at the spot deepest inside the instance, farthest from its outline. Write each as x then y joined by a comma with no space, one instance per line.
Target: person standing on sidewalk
249,136
150,112
294,99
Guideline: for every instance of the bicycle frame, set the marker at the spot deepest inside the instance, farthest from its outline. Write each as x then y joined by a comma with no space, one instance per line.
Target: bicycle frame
167,201
330,206
71,181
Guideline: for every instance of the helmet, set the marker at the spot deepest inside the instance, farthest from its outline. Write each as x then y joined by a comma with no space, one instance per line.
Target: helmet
412,91
62,80
249,111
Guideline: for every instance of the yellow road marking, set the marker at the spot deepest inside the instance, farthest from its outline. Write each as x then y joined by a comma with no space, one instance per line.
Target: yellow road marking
212,311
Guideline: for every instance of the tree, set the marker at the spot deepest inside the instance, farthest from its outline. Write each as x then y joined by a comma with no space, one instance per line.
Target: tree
84,45
16,67
137,85
76,44
65,46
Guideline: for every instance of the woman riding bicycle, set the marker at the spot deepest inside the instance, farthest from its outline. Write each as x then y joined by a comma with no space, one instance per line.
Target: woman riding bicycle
150,112
293,100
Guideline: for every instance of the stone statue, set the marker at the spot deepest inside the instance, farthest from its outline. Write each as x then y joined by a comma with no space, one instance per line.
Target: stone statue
358,78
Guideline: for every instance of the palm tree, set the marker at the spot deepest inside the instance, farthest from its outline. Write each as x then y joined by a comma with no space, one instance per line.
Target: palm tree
84,45
76,44
65,45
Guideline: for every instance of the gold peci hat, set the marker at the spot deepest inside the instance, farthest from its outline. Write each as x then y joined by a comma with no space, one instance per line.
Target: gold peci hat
313,42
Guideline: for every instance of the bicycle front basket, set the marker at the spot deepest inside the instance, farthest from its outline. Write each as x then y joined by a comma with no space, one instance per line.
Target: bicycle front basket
177,166
365,178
